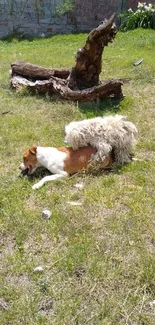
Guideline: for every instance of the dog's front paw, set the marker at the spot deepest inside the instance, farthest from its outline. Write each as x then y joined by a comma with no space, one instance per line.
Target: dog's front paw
36,186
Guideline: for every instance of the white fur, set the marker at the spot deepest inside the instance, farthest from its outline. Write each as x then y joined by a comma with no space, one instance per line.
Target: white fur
105,134
53,160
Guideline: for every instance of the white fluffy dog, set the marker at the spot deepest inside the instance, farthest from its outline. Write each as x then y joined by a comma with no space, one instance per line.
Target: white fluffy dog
105,134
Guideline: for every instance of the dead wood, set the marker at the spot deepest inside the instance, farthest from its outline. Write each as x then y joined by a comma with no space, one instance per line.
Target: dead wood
107,89
34,72
85,73
138,62
81,83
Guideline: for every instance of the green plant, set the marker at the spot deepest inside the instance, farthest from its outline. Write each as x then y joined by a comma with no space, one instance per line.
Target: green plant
64,7
143,17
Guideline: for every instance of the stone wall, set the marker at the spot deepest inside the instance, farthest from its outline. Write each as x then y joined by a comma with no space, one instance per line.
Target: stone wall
34,17
89,13
39,17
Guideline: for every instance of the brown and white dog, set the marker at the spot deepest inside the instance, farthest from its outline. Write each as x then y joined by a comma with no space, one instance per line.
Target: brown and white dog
61,162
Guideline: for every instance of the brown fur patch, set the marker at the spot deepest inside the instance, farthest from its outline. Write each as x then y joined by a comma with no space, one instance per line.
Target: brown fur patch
78,160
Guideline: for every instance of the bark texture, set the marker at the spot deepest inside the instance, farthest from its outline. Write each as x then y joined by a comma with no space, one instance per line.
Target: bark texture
32,71
88,65
107,89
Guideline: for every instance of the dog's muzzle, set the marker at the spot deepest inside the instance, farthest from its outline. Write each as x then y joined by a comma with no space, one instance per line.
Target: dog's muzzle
28,169
22,167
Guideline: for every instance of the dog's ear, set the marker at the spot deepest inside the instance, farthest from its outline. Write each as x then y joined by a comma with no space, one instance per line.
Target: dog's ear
33,149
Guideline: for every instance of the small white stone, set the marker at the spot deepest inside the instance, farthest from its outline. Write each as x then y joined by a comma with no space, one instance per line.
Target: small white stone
79,185
152,303
46,214
38,269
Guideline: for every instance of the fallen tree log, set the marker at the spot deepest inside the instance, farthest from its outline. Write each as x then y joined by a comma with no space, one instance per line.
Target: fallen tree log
81,83
32,71
107,89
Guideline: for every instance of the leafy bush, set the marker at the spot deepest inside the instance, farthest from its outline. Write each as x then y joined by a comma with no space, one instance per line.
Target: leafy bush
143,17
64,7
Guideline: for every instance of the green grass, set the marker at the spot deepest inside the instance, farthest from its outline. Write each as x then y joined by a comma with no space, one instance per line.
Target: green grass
97,258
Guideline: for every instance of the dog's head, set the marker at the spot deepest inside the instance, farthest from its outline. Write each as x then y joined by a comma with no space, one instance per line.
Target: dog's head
29,160
68,132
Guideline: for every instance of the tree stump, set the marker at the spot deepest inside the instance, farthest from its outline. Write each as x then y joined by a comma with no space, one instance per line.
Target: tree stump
81,83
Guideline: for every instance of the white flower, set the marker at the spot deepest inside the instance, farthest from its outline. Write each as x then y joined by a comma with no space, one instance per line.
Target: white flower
148,8
130,10
140,5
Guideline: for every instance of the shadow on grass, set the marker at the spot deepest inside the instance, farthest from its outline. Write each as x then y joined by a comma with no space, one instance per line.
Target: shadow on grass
114,169
21,36
42,172
39,173
89,109
18,36
92,109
